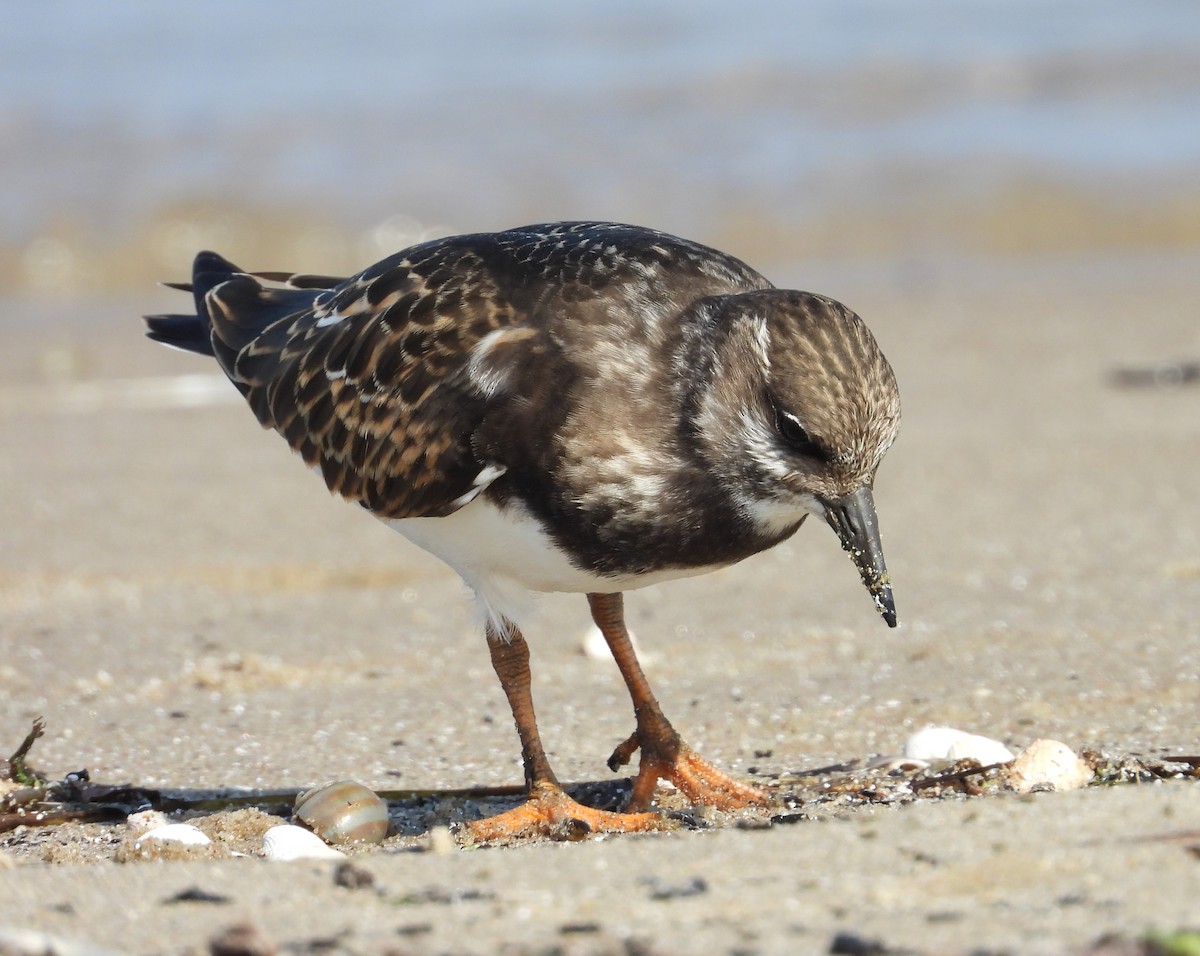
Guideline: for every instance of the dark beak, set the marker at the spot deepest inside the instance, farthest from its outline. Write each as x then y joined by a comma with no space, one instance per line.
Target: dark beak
853,518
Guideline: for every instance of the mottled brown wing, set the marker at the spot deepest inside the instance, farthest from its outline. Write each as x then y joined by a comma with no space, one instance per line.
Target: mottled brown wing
383,381
370,381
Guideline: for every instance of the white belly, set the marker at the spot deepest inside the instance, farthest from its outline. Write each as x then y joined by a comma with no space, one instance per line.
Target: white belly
505,555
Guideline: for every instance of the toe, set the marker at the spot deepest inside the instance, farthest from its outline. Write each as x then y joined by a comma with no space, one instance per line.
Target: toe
697,779
551,814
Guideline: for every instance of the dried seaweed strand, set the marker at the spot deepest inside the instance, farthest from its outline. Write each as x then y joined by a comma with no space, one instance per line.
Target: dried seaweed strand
17,769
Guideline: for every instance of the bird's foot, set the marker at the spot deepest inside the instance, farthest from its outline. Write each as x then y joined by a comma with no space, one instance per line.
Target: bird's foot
550,814
666,757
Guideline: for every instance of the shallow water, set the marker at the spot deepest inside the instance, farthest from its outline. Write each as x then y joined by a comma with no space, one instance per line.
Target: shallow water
136,132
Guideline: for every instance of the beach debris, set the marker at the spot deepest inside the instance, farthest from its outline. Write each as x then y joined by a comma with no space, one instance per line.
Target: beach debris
21,788
241,939
27,799
344,812
152,837
183,833
351,876
440,896
1049,764
946,743
144,821
14,770
441,841
1191,761
196,894
852,944
661,889
971,779
290,842
578,928
1160,375
16,941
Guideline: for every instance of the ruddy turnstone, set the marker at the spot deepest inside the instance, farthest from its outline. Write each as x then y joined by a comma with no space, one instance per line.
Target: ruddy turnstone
580,406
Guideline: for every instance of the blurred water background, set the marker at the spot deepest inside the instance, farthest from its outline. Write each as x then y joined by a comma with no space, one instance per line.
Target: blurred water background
310,135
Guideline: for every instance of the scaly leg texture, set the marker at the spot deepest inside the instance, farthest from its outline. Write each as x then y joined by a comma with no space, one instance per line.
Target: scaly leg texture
664,755
548,812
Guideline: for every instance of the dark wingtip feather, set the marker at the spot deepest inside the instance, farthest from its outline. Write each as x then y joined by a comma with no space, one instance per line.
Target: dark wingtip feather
300,280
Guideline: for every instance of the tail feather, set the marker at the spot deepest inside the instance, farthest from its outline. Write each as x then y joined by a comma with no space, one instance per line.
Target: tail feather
238,313
186,332
193,333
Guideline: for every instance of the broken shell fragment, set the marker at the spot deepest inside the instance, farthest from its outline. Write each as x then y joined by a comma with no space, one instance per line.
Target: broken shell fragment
290,842
177,833
1049,763
343,812
946,743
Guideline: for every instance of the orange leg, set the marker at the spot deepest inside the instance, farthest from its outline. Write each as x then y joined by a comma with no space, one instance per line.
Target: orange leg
548,812
664,755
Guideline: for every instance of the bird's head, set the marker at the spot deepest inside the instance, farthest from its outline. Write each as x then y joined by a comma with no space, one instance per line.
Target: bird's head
796,412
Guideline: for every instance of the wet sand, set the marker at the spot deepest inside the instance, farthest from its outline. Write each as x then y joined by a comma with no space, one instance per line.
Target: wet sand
188,609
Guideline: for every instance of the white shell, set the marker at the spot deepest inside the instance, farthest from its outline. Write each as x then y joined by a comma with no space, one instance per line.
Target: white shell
177,833
290,842
595,647
946,743
1049,763
343,812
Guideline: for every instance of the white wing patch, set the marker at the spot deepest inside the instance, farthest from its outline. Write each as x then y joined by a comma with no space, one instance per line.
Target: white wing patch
485,477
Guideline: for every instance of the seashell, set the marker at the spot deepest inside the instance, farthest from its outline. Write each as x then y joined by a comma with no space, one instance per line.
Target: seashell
982,749
343,812
595,647
946,743
177,833
1049,763
290,842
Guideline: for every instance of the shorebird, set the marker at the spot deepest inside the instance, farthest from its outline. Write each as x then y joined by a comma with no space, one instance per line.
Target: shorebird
582,407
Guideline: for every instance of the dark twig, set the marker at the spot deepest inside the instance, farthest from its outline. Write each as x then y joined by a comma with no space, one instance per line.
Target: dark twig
15,768
959,779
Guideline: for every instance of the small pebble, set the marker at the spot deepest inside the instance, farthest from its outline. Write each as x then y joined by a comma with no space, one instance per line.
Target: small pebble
1049,763
351,876
290,842
243,939
195,894
665,890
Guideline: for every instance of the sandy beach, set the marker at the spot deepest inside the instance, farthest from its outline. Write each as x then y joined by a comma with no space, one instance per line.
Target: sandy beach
189,610
1006,192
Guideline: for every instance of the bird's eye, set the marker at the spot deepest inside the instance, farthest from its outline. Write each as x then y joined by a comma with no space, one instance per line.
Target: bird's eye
793,432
